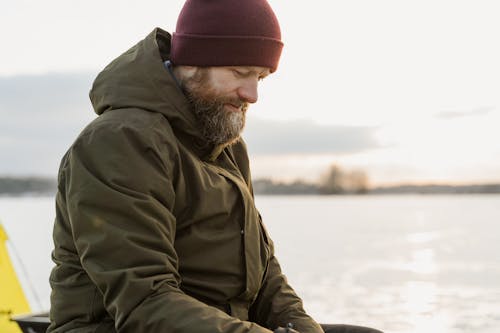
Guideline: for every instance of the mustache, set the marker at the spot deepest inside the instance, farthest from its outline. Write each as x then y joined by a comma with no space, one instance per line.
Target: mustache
217,102
236,102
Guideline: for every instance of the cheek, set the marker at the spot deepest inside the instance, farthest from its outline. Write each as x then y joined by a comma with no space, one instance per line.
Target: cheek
223,84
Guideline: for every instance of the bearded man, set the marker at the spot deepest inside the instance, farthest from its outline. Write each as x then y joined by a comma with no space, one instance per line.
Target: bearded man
156,227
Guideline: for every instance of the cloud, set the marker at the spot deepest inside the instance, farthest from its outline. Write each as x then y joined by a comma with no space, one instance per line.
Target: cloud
468,113
40,116
306,137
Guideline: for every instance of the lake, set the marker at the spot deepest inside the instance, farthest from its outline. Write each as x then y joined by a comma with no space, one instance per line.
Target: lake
403,264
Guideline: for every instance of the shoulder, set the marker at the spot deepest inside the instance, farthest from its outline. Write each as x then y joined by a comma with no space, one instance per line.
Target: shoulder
136,121
135,126
126,137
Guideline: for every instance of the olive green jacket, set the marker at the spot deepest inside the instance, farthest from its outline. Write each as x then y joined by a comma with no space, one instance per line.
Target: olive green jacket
154,231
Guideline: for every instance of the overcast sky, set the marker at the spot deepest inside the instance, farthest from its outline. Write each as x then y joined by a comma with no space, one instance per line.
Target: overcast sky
405,90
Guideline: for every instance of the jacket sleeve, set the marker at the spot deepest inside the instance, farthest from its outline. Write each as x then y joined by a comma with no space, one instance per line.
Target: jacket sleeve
120,198
277,303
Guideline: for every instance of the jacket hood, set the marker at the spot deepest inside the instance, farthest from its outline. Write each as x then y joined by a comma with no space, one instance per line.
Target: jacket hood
138,79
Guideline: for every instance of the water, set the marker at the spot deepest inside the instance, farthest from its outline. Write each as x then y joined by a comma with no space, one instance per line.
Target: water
409,264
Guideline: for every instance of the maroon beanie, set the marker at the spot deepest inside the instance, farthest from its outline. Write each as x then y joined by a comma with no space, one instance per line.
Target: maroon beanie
227,33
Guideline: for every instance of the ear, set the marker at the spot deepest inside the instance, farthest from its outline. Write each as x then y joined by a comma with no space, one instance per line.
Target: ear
184,72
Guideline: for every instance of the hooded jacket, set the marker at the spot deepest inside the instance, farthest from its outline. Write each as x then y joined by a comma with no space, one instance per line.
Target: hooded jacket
155,231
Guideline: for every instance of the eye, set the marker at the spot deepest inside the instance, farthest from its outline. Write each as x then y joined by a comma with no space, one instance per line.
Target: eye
238,73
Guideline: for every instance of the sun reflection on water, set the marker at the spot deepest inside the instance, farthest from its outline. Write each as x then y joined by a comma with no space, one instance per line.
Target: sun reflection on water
422,237
420,304
422,262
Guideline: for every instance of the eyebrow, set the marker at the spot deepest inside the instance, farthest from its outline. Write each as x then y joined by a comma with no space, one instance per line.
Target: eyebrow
265,73
262,73
248,71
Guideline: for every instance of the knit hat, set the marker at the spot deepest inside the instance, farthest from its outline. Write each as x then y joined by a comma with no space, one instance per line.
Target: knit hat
227,33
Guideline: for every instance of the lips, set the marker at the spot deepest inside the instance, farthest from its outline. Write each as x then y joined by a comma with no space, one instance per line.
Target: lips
233,107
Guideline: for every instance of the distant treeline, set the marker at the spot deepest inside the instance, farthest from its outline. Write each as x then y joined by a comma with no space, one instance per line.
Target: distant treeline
338,181
438,189
270,187
335,181
14,186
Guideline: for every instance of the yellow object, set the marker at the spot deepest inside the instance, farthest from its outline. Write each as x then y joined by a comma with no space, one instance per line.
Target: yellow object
12,299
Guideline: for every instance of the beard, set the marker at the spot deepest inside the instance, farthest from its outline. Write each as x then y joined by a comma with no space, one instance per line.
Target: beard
218,124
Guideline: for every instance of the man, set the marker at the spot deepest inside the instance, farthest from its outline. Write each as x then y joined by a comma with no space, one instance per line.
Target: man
156,228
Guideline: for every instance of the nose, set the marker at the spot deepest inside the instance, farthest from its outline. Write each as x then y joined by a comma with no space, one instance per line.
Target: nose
248,91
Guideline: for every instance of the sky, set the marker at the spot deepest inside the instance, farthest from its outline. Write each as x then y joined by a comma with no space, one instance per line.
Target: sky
407,91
